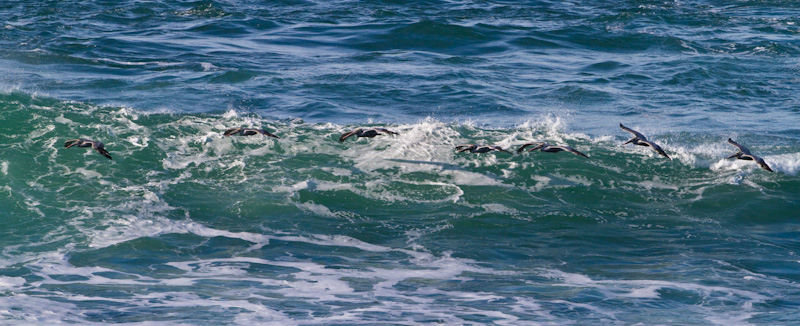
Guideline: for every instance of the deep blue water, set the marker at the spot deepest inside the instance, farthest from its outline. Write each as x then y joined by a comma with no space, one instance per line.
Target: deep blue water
188,227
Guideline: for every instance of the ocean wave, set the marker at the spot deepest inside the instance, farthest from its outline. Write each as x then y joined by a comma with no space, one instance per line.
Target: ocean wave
185,226
187,219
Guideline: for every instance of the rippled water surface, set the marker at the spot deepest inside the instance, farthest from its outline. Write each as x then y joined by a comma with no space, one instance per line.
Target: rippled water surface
187,227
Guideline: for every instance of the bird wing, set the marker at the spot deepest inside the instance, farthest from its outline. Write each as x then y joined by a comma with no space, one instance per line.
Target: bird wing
100,148
231,131
465,147
264,132
71,142
386,131
500,149
658,149
758,160
634,132
347,134
763,164
741,148
103,152
538,146
572,150
521,148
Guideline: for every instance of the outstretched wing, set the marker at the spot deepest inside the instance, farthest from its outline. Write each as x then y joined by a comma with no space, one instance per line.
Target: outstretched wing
264,132
741,148
573,151
102,151
100,148
634,132
521,148
386,131
498,148
71,142
465,147
762,164
232,131
658,149
347,135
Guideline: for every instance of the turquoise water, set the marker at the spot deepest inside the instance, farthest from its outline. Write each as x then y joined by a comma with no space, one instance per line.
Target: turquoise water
187,227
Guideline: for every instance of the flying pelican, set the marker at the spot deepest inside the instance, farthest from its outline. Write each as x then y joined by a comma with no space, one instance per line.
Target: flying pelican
744,154
544,147
96,145
641,140
247,132
369,133
472,148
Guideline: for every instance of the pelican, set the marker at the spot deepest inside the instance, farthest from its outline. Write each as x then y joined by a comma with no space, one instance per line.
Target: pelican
96,145
472,148
544,147
744,154
641,140
247,132
369,133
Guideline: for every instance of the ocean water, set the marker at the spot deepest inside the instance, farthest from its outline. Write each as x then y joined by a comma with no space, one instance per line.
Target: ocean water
187,227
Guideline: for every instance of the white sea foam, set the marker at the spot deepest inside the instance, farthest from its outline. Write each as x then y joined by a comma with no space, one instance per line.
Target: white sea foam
415,234
786,163
655,183
314,185
403,285
650,289
24,309
316,209
427,141
7,282
311,282
548,128
62,119
500,209
207,66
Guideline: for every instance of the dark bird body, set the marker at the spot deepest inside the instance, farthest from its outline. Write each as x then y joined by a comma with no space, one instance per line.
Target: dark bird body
641,140
247,132
368,133
544,147
96,145
472,148
744,154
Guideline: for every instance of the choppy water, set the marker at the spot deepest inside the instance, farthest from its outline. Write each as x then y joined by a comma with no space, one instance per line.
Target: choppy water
186,227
